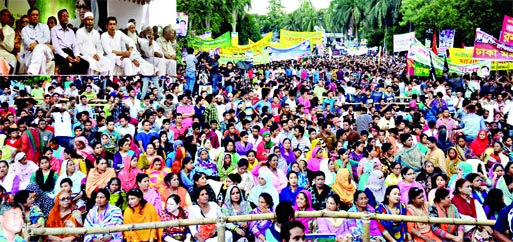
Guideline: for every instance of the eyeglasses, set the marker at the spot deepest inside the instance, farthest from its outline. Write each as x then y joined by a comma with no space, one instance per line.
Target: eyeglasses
82,6
65,199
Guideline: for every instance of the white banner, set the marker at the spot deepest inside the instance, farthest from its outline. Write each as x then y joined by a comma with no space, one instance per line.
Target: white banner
402,41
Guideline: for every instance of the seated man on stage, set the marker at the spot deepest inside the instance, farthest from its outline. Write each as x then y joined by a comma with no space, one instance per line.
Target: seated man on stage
167,43
36,41
90,46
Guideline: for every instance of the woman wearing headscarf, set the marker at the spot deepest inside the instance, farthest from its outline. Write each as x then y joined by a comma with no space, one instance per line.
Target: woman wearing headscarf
304,203
409,155
314,163
503,184
408,183
229,149
495,155
265,184
258,227
279,180
444,142
287,153
156,173
480,144
63,214
375,188
133,145
264,148
178,154
355,226
99,176
425,176
464,151
23,168
452,160
146,159
117,195
494,174
344,187
187,172
150,195
103,214
226,166
128,174
205,164
235,204
86,152
302,179
213,152
70,170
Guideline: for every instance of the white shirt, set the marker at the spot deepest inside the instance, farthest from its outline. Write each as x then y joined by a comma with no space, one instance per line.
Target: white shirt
148,50
117,43
62,124
129,129
168,47
135,107
40,33
89,43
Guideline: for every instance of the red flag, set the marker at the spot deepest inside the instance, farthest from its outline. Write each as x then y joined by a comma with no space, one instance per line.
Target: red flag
462,45
433,47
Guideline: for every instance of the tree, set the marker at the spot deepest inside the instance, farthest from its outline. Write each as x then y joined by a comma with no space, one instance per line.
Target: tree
344,15
238,10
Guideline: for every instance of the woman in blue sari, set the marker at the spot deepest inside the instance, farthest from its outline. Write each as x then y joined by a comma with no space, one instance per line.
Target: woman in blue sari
391,230
289,193
187,172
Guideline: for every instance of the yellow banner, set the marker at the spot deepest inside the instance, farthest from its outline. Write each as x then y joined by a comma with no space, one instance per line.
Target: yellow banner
256,47
291,38
459,56
235,39
250,41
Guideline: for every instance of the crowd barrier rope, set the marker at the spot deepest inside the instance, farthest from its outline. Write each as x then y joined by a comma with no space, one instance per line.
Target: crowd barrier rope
221,223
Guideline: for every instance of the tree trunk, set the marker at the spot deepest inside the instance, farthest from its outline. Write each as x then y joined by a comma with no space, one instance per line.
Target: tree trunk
234,20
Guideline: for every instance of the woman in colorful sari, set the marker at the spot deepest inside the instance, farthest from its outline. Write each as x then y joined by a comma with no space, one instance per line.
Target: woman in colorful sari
156,173
355,226
133,145
44,177
70,170
494,174
287,153
141,211
408,183
480,144
173,187
205,164
279,180
205,208
117,195
264,185
128,173
213,152
464,151
146,159
304,203
42,200
462,170
187,172
344,187
103,214
174,212
225,166
26,199
452,160
314,163
409,155
235,204
124,155
150,195
63,214
99,176
55,164
264,148
336,226
495,155
258,227
392,231
443,208
419,207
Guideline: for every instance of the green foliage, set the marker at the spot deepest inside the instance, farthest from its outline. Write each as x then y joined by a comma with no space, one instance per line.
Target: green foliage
31,80
462,15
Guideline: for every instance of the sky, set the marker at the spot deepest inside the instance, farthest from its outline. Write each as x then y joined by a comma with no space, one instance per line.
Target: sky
260,6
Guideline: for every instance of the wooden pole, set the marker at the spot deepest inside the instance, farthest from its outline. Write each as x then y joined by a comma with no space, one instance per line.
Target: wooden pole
366,226
254,217
221,228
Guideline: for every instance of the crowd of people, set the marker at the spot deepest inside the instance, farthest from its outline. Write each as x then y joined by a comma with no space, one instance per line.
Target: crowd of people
347,133
57,47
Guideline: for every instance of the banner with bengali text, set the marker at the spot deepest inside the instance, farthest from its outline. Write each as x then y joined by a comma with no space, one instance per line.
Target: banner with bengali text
301,50
461,56
507,31
257,59
222,41
402,41
291,38
487,47
256,47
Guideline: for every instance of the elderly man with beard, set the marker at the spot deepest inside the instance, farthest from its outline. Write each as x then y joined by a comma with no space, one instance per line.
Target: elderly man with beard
65,43
153,53
90,46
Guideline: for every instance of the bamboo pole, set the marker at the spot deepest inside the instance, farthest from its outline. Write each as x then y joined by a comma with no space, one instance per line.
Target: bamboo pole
254,217
366,226
221,228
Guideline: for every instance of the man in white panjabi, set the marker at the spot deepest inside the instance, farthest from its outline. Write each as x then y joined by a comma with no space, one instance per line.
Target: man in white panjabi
36,41
152,52
115,44
7,39
90,46
167,43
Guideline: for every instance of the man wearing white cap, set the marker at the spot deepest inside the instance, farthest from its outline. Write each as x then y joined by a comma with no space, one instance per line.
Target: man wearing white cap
90,46
115,44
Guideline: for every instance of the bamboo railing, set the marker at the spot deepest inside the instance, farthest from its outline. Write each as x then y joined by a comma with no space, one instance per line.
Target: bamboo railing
221,222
